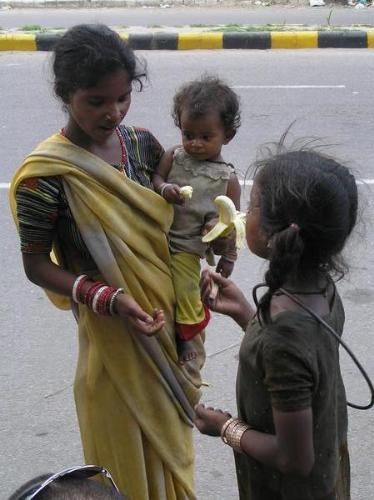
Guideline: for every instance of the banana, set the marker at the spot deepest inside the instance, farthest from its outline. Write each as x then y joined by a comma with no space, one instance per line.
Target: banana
229,219
186,192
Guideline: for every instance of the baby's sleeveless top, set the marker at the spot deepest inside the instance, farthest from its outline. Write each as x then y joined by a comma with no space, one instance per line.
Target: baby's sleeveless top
208,179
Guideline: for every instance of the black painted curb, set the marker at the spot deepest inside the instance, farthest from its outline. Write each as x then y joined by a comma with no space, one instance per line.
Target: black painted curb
345,40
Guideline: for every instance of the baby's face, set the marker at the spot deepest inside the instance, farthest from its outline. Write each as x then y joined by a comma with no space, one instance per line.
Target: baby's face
203,137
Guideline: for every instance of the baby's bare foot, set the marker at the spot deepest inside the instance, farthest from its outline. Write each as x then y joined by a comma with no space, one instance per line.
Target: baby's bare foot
186,351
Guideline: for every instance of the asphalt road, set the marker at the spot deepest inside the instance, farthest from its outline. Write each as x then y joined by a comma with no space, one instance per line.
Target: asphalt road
329,94
180,16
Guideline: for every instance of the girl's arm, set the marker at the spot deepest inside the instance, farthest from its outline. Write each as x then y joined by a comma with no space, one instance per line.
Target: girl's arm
171,192
290,450
43,272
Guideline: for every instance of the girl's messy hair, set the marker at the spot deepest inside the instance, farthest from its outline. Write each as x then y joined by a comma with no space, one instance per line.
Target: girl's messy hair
88,52
204,95
308,208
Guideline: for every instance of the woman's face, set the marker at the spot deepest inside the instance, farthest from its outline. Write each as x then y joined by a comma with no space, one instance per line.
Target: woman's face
256,240
98,110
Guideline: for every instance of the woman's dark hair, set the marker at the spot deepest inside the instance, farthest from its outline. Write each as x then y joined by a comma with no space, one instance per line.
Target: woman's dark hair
308,208
204,95
88,52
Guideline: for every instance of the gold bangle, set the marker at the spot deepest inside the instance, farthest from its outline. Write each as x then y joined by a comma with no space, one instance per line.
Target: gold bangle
234,432
224,427
230,423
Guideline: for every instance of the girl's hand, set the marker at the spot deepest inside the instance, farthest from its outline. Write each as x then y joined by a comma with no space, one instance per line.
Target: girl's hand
172,194
210,421
129,309
223,296
225,267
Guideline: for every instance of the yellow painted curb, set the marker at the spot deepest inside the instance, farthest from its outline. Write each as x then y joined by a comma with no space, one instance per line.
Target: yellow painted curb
190,41
17,42
294,40
370,39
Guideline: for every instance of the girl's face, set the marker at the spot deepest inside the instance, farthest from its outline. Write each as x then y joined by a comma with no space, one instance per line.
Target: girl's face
256,240
203,137
98,110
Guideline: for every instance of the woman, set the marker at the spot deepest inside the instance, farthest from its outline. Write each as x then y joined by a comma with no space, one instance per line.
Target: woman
86,192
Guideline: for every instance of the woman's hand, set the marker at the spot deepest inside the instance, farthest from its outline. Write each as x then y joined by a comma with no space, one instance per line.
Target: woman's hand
210,421
129,309
223,296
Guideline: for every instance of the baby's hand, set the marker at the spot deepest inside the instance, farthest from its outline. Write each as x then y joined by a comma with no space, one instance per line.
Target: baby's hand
172,194
225,267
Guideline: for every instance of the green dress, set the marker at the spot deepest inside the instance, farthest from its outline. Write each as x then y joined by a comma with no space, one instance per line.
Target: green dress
293,364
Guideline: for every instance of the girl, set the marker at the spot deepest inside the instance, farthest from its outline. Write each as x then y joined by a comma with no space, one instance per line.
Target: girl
80,191
290,440
207,113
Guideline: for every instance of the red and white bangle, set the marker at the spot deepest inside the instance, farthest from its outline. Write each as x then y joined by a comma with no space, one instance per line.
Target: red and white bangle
96,298
112,300
91,292
77,286
99,297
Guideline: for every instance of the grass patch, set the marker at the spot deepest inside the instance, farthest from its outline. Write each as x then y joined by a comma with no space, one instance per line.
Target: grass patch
36,28
245,28
31,27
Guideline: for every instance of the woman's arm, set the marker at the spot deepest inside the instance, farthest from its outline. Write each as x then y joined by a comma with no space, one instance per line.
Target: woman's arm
43,272
290,450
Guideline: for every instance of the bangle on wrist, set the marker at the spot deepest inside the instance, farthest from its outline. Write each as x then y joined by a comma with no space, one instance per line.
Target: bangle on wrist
100,298
77,285
225,425
232,433
163,186
112,303
229,259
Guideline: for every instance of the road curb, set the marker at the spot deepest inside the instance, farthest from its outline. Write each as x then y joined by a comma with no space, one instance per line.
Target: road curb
210,40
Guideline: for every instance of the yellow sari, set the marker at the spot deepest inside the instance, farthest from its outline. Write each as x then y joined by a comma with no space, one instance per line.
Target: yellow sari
134,401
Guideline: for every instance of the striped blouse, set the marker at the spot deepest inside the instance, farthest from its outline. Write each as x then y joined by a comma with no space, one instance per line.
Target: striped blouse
44,214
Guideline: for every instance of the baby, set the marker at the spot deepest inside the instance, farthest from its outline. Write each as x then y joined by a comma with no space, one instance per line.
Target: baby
207,113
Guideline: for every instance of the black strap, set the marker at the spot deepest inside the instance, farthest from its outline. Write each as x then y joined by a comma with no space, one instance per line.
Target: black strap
341,342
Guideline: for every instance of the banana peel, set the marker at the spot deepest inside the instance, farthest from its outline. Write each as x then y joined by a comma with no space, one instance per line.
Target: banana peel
229,219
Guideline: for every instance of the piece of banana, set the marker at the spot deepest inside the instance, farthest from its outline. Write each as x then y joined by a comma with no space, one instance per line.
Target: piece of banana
229,219
186,192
